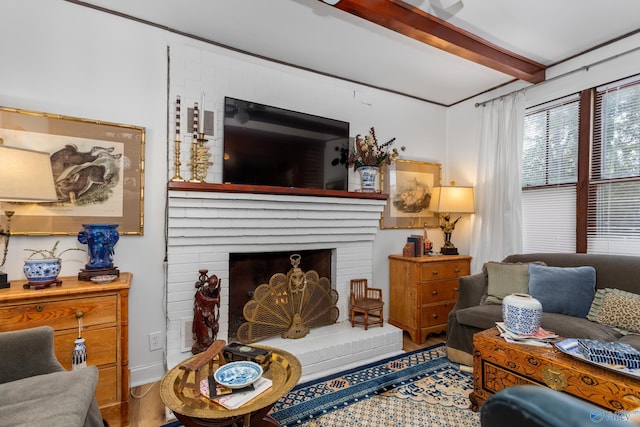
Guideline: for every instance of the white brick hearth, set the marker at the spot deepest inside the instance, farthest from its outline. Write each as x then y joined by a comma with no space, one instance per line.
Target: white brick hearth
204,227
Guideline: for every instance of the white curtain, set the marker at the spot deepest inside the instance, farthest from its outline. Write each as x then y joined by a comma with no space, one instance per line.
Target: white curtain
497,228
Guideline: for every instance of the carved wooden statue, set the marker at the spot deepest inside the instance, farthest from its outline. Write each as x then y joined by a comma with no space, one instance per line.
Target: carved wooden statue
206,312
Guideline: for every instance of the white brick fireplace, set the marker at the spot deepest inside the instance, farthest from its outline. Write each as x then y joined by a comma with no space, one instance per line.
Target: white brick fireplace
204,227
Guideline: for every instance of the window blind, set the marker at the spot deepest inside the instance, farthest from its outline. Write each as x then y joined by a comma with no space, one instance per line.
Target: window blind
549,176
549,219
550,151
614,189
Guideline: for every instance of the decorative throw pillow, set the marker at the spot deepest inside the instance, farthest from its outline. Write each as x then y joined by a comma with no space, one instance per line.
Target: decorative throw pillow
616,308
564,290
505,279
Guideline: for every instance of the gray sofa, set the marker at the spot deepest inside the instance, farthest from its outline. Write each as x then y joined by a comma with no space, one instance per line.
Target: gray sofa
470,315
35,390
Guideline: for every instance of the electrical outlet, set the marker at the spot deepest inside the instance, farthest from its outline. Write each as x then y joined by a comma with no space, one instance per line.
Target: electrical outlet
155,342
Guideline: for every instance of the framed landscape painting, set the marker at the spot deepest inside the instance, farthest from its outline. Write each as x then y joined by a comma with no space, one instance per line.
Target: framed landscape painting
98,172
409,185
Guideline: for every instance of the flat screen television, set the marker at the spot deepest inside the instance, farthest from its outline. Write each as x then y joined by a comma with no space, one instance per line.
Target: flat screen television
266,145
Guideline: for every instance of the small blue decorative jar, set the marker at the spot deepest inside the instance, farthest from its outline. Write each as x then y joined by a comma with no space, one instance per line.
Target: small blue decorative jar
101,238
521,313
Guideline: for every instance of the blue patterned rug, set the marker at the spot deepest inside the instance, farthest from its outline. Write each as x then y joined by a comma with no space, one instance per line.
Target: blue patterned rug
421,388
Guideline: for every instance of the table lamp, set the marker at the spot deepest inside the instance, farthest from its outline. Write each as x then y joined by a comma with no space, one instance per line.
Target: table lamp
25,176
448,200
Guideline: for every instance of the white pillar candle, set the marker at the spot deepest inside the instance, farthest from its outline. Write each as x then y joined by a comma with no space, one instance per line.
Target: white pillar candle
178,118
201,129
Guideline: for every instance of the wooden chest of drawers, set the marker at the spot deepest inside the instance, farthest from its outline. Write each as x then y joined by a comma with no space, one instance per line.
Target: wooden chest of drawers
104,312
422,292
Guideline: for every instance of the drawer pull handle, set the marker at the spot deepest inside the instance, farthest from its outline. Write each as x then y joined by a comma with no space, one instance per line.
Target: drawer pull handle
39,308
435,273
456,289
434,315
434,293
79,314
457,270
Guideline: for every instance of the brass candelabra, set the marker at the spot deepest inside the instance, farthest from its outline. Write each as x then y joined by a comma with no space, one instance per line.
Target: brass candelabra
200,156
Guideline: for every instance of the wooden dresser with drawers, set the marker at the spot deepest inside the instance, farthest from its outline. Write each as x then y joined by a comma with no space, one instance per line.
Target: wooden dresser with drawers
104,311
422,292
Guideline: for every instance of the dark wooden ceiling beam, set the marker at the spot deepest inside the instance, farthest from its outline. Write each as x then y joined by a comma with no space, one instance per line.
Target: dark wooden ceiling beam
419,25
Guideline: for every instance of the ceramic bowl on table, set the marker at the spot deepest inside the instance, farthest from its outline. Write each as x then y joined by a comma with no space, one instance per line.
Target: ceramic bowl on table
104,278
238,374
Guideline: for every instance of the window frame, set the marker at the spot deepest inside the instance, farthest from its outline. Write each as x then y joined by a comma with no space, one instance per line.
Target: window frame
587,178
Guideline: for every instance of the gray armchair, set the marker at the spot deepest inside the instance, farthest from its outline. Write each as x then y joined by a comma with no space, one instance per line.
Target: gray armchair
35,390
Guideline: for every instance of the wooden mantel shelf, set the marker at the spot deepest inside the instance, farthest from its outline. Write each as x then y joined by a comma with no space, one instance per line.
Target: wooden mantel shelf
263,189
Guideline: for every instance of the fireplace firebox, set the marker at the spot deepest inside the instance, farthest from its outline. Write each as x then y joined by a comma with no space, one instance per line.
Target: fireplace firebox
247,271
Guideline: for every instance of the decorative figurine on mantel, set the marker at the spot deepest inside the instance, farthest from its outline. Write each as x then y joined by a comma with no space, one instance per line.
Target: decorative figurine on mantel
206,312
101,238
428,245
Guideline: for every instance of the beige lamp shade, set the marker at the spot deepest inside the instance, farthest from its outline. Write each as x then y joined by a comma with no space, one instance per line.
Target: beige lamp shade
25,176
452,200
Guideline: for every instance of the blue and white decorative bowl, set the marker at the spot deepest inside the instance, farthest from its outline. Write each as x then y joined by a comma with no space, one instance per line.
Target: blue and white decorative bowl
521,313
238,374
42,270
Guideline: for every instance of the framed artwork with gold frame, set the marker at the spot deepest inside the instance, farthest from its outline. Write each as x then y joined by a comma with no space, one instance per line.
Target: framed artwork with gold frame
409,185
98,170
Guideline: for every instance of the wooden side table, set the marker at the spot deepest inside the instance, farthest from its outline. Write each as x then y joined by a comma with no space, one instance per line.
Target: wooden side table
104,309
422,292
195,410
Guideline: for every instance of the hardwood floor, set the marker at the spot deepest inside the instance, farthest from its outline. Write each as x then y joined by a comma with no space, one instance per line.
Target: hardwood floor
147,409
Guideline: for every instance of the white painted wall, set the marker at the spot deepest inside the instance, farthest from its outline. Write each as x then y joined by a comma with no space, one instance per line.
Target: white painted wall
62,58
65,59
79,62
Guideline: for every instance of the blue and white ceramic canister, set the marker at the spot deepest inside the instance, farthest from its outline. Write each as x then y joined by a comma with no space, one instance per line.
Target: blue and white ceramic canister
368,178
521,313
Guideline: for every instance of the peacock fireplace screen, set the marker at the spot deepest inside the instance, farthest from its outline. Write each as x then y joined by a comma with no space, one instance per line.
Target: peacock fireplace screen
289,305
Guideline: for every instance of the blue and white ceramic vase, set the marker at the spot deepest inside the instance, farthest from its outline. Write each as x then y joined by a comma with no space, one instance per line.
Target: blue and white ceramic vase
79,355
101,238
368,176
521,313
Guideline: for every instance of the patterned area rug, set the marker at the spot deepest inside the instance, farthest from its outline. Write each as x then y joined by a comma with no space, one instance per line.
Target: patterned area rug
421,388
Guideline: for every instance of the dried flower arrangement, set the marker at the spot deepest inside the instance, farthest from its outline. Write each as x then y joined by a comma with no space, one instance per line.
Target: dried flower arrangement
367,151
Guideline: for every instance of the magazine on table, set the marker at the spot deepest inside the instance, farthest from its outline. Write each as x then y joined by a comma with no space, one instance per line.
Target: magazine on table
234,398
542,338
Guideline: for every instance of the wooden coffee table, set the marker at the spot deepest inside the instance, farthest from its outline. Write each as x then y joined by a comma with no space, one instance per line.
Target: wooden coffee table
498,365
198,411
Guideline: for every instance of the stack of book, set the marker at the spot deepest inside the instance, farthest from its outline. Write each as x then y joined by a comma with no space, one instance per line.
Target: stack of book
233,398
542,338
418,244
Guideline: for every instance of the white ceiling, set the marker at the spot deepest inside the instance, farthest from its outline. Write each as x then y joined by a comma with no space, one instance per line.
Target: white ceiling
317,36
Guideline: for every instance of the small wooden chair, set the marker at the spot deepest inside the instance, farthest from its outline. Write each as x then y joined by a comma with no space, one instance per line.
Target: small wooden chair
367,302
